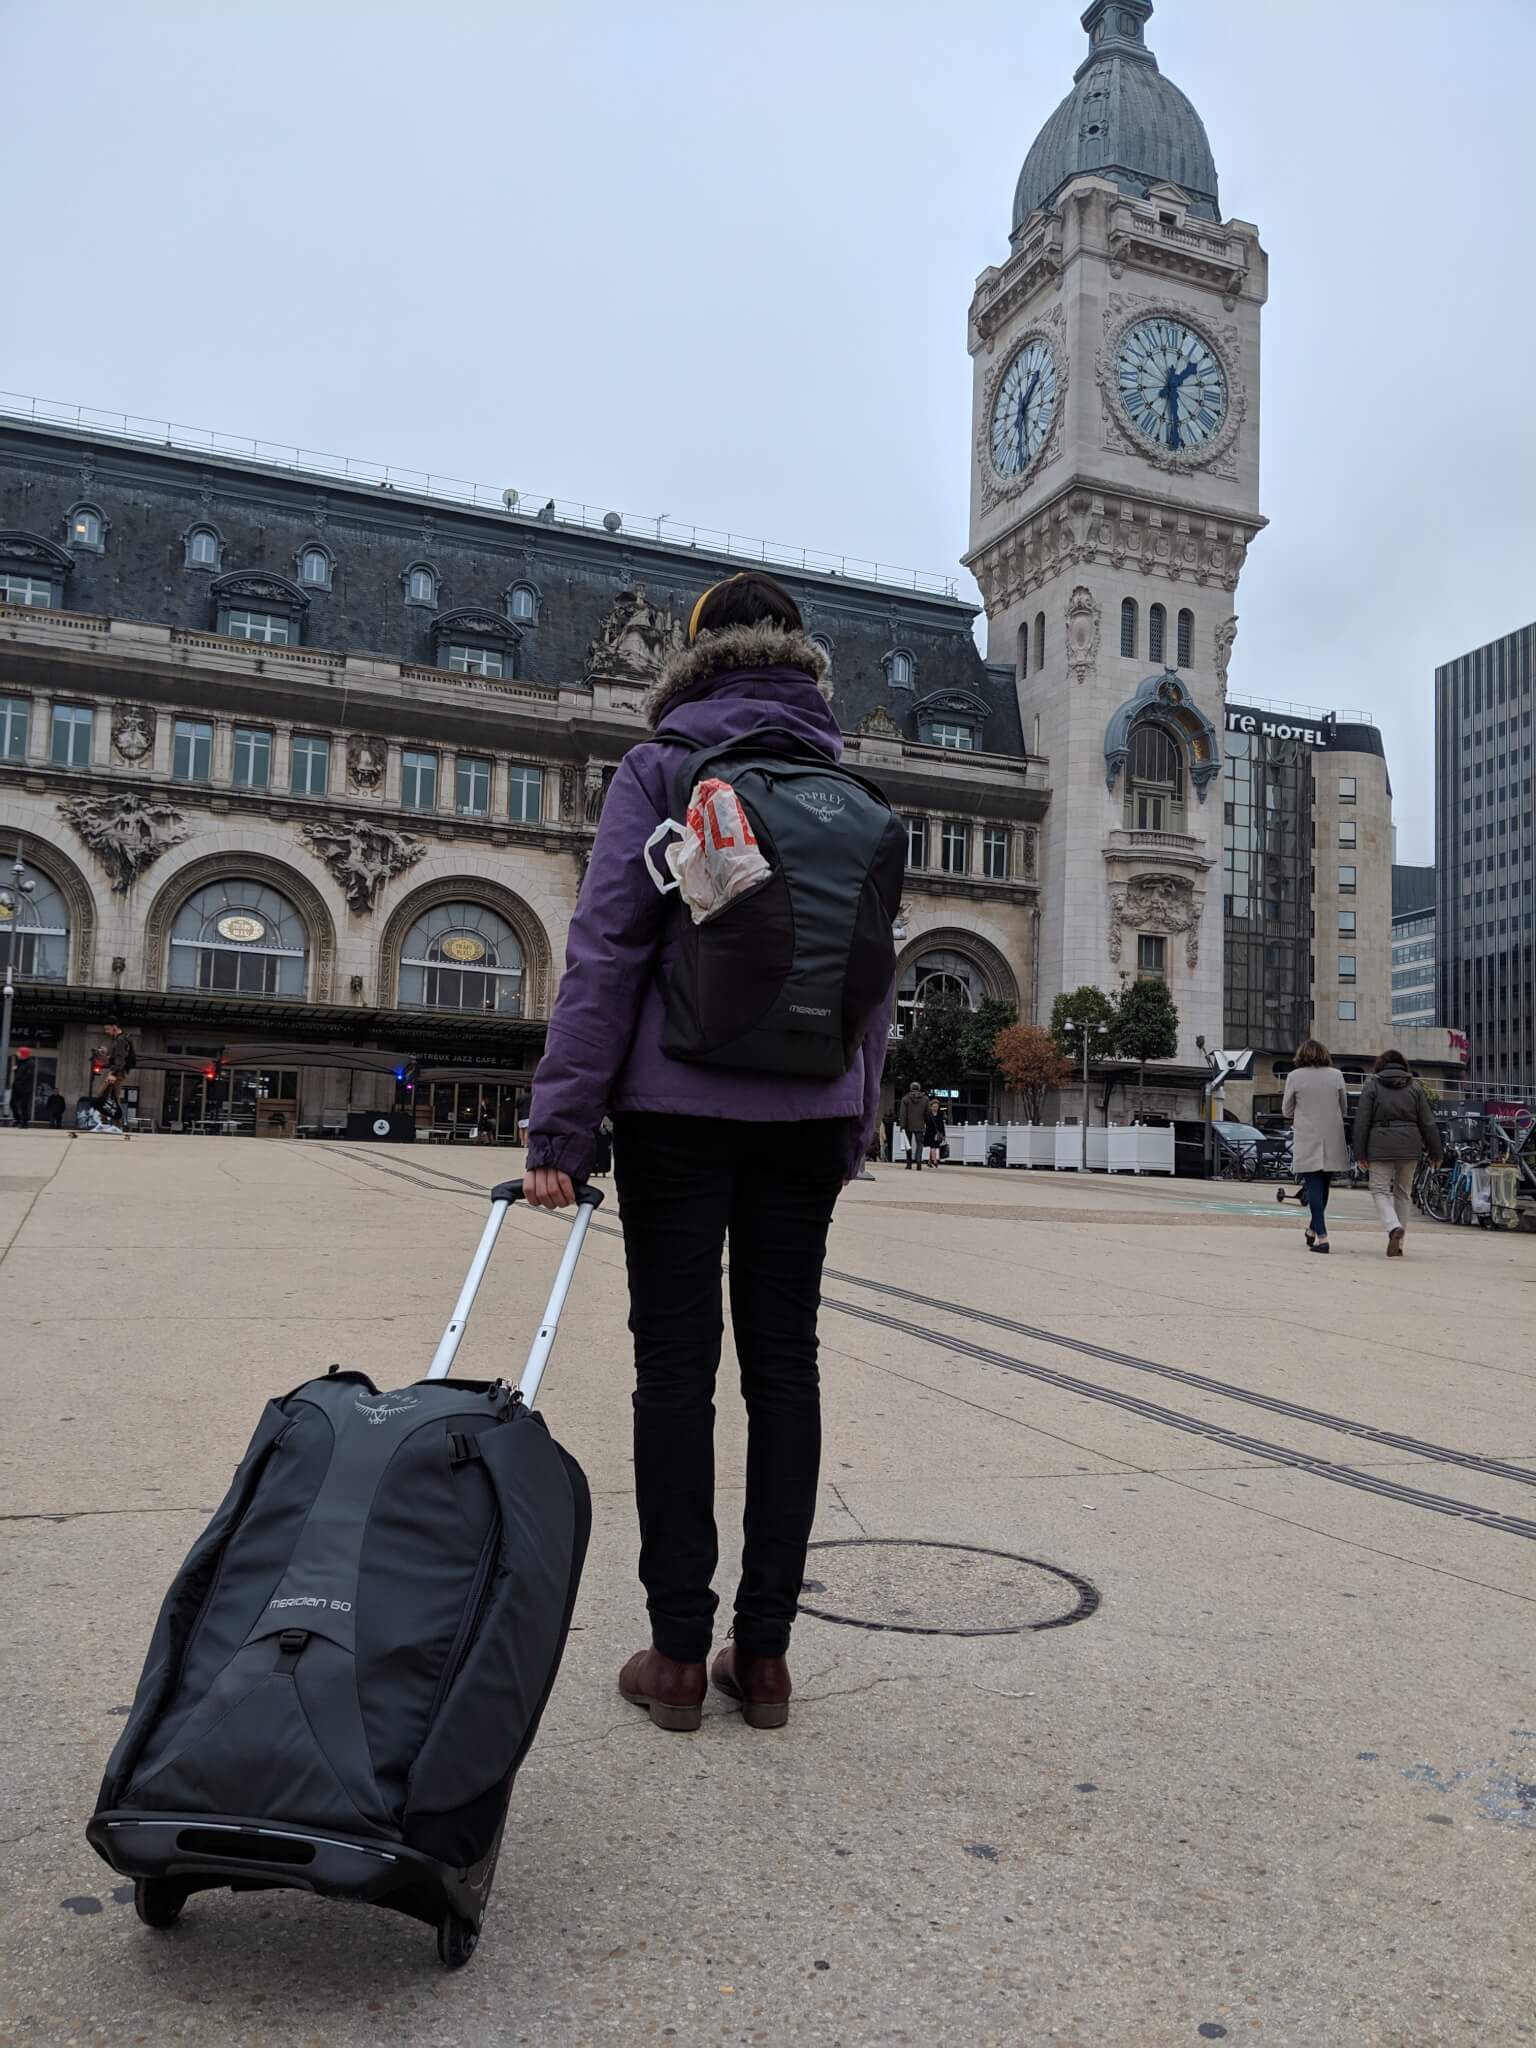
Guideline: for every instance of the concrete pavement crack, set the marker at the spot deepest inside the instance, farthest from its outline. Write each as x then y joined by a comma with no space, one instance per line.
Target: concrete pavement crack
853,1691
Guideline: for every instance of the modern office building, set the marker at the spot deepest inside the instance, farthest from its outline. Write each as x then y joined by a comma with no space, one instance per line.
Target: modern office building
1415,989
1485,858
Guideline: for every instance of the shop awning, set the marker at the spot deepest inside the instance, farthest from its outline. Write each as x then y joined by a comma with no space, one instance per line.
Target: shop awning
351,1059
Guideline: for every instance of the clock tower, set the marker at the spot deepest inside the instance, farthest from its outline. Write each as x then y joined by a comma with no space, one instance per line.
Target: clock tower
1114,491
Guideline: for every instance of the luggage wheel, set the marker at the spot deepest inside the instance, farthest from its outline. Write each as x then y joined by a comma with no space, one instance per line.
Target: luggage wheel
158,1900
457,1941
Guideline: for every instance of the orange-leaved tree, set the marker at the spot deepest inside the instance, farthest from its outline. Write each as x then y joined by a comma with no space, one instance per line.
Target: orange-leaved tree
1029,1062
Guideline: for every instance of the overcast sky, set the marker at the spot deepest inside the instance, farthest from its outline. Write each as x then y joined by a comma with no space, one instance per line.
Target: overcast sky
715,261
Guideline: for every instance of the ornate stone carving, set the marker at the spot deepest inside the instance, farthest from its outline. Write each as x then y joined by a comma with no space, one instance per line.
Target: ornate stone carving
1029,840
1165,904
567,796
594,790
1083,616
133,731
362,856
635,639
1226,633
1079,529
127,834
879,725
366,759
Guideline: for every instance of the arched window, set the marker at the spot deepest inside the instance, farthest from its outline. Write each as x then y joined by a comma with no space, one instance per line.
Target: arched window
1186,639
1039,640
1157,633
1154,790
204,548
462,956
1023,663
900,669
1128,627
936,977
240,935
420,584
523,604
34,932
315,568
87,529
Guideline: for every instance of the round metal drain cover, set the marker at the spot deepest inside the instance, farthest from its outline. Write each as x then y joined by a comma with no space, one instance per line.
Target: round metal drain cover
913,1587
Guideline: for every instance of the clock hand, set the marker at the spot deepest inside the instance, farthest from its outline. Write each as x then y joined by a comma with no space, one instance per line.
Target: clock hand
1171,399
1023,415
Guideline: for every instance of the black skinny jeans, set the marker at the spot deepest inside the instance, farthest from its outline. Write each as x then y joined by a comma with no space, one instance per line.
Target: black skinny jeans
685,1182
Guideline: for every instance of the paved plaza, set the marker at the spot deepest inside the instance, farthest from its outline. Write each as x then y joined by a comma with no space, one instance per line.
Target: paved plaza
1270,1777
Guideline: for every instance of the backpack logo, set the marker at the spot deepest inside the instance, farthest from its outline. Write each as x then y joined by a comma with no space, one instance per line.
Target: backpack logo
383,1409
825,804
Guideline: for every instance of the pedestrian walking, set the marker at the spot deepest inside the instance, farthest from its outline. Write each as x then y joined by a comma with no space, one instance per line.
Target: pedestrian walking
935,1134
912,1114
55,1108
602,1149
702,1150
119,1059
1394,1128
1316,1102
23,1082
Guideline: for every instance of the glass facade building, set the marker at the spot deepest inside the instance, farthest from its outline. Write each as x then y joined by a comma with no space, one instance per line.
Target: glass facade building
1485,856
1267,885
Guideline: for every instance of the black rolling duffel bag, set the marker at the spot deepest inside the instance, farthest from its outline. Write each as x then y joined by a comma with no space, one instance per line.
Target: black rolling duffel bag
351,1664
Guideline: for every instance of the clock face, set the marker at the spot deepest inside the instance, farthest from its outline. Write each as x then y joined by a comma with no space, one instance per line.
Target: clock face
1024,408
1172,387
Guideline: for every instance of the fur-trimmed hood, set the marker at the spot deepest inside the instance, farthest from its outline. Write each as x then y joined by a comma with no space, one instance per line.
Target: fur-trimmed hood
729,651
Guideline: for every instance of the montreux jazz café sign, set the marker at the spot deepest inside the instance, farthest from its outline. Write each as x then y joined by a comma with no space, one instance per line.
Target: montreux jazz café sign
1266,725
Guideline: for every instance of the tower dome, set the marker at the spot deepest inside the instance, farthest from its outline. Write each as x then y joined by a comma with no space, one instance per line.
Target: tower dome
1122,120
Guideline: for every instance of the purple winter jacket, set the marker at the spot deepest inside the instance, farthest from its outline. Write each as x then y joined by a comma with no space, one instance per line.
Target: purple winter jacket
603,1049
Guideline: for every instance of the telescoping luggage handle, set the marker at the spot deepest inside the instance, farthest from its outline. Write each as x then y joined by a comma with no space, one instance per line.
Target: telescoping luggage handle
588,1199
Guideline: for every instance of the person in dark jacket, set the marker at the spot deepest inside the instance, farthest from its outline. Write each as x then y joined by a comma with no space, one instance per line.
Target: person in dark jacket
912,1113
1394,1128
23,1081
55,1108
700,1151
936,1133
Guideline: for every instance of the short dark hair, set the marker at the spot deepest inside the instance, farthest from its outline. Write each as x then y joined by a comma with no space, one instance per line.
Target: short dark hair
1390,1058
747,599
1312,1053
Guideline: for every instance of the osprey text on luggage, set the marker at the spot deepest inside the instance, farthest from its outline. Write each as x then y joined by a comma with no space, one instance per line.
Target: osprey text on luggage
351,1663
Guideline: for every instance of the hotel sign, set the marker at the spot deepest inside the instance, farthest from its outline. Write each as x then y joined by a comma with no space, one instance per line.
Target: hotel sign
1269,726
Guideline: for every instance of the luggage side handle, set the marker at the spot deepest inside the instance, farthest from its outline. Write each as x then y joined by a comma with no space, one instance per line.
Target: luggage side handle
588,1200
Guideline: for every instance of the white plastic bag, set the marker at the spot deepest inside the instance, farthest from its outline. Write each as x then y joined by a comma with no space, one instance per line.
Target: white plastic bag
714,859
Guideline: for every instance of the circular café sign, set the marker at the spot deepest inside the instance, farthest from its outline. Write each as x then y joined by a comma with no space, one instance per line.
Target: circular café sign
240,928
381,1127
464,948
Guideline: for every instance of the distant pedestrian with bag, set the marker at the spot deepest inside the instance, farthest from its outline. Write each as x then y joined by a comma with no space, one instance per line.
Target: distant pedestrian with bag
1394,1128
936,1133
912,1114
1316,1103
55,1108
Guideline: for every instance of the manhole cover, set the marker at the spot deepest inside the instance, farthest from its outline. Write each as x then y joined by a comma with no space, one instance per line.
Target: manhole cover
917,1588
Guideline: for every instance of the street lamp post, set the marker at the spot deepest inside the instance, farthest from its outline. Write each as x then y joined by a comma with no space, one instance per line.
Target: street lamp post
1089,1030
15,898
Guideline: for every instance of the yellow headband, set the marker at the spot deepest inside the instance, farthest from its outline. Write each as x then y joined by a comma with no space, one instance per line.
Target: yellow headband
693,621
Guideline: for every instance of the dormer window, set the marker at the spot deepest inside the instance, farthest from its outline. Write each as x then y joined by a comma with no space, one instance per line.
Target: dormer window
471,642
204,548
900,669
315,567
268,610
952,720
421,584
33,570
87,530
523,604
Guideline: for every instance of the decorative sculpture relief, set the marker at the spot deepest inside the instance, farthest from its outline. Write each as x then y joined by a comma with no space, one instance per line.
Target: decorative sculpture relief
1030,840
635,639
879,725
133,731
1226,633
594,790
362,857
127,834
1083,616
365,761
1165,904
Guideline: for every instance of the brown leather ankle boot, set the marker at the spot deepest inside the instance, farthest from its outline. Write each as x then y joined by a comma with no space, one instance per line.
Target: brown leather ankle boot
673,1692
760,1685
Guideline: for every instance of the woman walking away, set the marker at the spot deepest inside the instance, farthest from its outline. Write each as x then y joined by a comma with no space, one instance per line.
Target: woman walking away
1316,1104
703,1150
1394,1128
936,1132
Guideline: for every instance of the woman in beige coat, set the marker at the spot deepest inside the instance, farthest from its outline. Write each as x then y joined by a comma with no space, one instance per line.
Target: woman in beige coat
1316,1103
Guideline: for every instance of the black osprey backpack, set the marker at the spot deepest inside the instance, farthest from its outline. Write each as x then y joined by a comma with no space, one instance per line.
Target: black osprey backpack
786,979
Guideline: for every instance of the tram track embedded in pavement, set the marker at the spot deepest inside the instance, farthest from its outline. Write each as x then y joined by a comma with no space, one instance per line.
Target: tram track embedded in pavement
1131,1403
